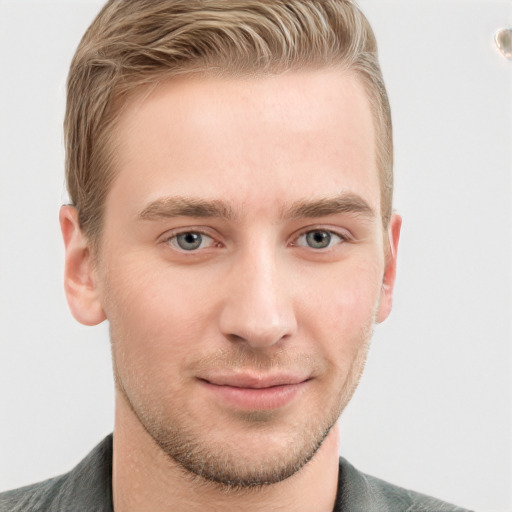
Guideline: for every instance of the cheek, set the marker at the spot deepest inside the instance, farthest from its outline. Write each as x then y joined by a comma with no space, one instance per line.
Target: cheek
350,295
153,296
154,319
341,315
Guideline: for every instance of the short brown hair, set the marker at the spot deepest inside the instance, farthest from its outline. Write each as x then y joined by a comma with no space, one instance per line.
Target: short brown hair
132,43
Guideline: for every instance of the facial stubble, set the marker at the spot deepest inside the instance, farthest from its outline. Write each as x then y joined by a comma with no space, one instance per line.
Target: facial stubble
222,464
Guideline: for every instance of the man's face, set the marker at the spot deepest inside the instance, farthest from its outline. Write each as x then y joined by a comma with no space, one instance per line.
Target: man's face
242,266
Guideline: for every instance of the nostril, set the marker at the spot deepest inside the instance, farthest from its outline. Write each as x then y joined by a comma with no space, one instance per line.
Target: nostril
235,338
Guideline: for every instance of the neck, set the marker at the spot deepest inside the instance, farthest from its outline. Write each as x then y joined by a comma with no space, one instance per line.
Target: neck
145,479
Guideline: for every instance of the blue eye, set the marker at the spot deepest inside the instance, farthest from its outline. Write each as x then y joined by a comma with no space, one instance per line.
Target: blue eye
191,241
319,239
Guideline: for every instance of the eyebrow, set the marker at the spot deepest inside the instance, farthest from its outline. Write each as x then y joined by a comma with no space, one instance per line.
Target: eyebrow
169,207
344,203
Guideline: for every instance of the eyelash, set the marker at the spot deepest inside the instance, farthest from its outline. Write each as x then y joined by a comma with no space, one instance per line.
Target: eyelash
174,237
343,238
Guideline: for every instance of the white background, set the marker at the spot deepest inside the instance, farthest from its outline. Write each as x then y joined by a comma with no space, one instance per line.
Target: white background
433,411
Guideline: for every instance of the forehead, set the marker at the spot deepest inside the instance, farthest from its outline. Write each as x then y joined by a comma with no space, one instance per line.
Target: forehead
303,132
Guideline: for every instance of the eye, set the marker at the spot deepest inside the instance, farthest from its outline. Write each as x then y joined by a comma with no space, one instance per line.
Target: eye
319,239
191,241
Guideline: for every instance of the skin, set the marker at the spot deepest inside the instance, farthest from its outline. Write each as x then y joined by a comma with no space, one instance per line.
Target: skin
293,270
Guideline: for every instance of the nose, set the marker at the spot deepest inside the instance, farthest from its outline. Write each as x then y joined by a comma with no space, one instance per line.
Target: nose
258,309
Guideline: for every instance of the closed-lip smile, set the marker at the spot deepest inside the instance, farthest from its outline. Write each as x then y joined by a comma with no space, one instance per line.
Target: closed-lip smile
253,390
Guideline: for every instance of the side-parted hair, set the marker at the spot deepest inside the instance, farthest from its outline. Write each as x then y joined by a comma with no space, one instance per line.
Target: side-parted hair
136,43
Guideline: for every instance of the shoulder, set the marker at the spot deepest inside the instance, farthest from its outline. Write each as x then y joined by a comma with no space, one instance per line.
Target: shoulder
86,488
359,492
34,497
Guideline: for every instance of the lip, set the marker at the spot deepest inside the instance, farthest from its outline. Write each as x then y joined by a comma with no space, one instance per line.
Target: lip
255,392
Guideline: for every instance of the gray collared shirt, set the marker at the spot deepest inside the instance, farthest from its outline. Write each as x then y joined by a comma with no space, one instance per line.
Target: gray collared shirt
88,488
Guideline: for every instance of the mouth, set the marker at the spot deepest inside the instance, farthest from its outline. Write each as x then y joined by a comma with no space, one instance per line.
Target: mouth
255,392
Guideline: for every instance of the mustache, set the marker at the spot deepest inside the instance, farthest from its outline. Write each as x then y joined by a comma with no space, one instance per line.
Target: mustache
244,358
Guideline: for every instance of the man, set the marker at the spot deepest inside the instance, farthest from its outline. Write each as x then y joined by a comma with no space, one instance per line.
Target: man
229,165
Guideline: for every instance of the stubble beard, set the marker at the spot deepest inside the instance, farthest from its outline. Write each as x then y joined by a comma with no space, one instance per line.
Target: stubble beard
208,461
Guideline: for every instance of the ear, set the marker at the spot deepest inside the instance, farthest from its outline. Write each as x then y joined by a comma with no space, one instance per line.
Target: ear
388,283
80,283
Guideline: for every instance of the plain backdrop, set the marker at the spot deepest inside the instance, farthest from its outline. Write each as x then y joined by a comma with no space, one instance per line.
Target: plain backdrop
433,411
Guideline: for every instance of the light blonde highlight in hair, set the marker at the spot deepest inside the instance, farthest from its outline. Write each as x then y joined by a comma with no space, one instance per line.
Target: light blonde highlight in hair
133,43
